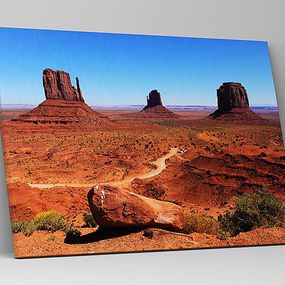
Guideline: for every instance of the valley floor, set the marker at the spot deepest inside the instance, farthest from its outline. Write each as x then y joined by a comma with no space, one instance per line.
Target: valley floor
221,161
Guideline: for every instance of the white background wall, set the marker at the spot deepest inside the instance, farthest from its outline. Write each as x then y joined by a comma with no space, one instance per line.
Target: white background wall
239,19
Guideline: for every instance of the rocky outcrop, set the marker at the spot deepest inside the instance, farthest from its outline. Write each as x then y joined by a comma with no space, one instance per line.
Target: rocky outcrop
64,104
233,104
57,86
232,95
154,108
157,112
117,208
153,99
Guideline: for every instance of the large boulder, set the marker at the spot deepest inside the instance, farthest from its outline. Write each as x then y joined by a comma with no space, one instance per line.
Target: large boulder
117,208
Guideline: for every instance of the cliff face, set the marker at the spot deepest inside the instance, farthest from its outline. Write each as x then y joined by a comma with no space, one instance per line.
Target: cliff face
233,104
57,86
232,95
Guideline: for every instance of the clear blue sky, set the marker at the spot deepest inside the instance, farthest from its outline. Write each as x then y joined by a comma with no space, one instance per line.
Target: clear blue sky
118,69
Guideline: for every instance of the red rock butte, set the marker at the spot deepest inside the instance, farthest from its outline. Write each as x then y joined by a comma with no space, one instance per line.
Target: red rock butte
57,85
64,103
155,109
233,104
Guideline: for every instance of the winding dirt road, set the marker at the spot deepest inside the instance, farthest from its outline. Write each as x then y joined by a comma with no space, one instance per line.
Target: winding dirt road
159,164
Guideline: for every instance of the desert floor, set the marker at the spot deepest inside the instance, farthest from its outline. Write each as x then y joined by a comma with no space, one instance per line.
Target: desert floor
51,167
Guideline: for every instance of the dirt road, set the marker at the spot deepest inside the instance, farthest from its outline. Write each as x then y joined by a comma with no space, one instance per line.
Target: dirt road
159,164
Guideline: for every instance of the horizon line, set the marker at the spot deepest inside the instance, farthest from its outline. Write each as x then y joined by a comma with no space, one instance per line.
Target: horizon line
140,105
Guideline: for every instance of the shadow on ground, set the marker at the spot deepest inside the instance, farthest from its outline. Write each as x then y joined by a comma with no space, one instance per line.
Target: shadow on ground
100,234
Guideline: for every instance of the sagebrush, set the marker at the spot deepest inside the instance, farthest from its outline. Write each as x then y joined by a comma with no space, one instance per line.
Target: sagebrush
201,223
89,220
253,210
49,221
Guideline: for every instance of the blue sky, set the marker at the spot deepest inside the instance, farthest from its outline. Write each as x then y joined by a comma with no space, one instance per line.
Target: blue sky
119,69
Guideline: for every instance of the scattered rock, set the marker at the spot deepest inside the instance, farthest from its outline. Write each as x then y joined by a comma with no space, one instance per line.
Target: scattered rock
148,233
117,208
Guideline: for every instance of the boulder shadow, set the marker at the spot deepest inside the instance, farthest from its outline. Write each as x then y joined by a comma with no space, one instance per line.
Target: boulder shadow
100,234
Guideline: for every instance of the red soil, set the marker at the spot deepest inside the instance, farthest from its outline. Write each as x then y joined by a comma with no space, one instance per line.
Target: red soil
222,160
53,244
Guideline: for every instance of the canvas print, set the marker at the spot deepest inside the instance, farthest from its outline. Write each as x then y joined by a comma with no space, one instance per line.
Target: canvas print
128,143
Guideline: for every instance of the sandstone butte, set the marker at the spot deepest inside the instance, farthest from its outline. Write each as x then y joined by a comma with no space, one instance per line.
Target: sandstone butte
155,108
233,104
64,104
114,207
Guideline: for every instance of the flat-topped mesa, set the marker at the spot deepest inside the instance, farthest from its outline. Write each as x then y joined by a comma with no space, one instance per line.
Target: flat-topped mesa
57,86
153,99
233,104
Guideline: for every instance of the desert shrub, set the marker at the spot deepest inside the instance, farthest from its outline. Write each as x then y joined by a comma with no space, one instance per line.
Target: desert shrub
89,220
29,229
72,232
48,221
201,223
253,210
25,227
18,226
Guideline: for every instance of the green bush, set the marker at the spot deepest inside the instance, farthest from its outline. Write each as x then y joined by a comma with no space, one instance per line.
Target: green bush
252,211
89,220
50,221
19,226
72,232
46,221
25,227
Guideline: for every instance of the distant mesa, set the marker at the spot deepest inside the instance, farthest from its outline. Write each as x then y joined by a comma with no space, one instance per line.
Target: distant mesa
64,103
154,108
233,104
153,99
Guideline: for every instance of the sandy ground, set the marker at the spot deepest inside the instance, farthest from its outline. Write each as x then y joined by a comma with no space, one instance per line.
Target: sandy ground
159,166
51,167
46,244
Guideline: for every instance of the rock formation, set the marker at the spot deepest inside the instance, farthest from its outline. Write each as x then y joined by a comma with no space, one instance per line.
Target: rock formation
154,108
57,85
232,95
118,208
233,104
64,103
153,99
